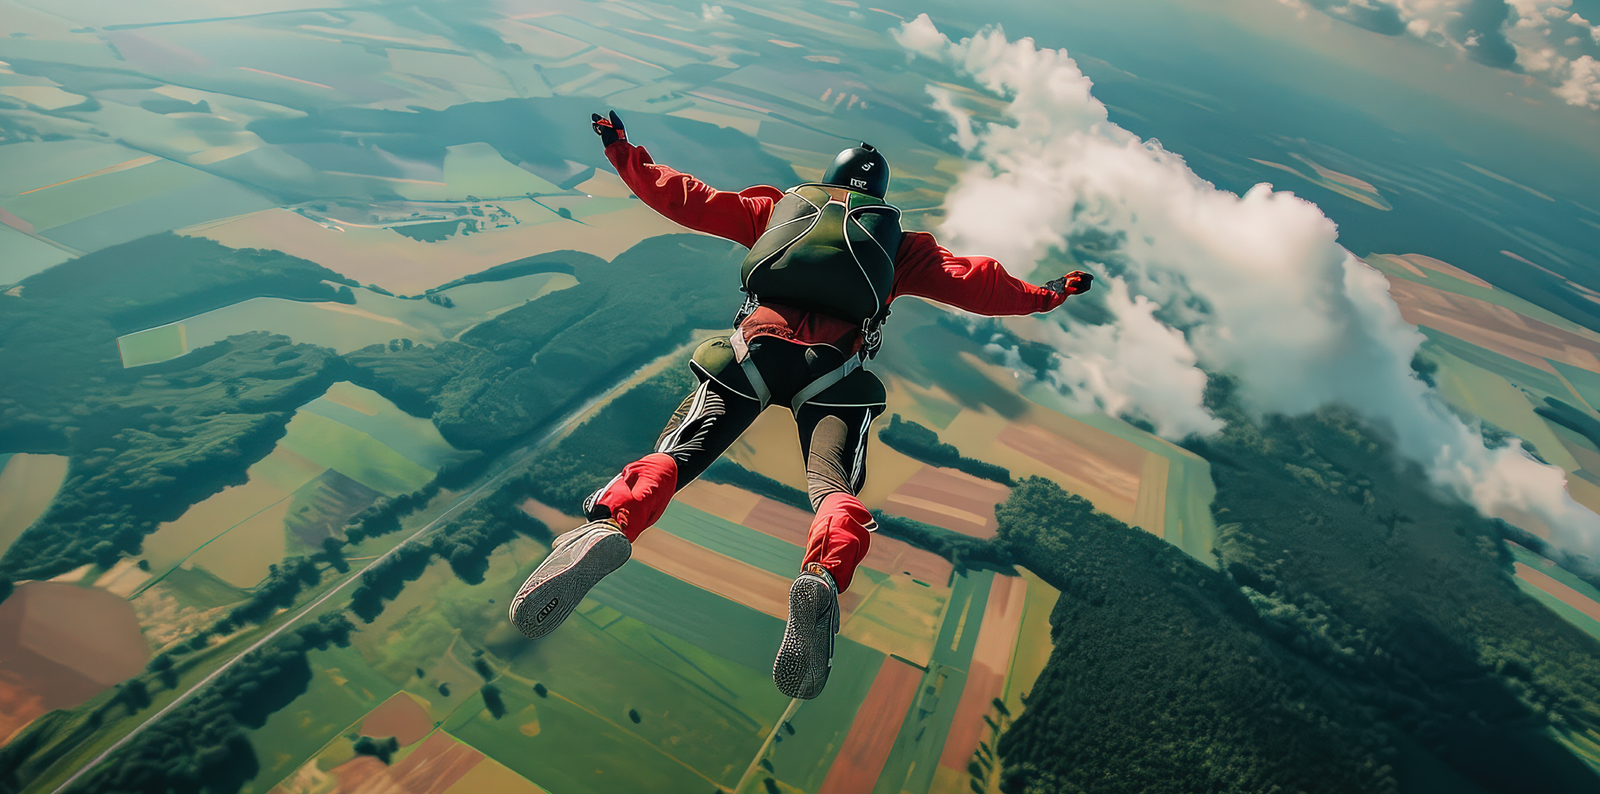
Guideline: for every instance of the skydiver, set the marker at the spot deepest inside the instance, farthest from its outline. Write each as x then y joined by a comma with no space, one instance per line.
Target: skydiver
818,282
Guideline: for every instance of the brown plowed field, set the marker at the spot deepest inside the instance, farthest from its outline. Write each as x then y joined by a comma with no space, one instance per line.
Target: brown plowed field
61,645
1493,327
490,777
866,747
433,768
720,500
400,717
1567,595
1093,457
986,677
949,499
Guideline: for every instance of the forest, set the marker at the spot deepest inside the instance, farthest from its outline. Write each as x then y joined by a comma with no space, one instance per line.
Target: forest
516,371
1354,559
1162,678
1363,634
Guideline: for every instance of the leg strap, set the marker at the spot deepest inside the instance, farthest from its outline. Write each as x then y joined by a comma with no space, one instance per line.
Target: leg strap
821,384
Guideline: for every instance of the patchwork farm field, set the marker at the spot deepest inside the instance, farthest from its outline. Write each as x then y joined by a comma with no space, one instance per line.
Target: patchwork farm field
410,149
342,451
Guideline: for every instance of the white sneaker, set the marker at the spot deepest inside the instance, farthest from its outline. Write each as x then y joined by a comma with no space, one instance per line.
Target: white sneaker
578,559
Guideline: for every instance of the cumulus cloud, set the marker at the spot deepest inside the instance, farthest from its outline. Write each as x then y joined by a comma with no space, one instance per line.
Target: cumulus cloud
1202,280
1536,37
1582,86
711,13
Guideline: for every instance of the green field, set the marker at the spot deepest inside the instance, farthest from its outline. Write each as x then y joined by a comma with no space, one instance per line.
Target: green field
29,165
355,454
915,756
72,201
342,690
899,615
22,256
154,345
802,760
725,537
1587,383
477,169
1504,366
702,716
365,411
1470,387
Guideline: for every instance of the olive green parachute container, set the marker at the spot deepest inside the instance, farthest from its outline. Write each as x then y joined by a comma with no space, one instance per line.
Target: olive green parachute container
827,249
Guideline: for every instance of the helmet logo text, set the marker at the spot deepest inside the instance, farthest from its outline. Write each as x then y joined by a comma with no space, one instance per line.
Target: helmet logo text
858,183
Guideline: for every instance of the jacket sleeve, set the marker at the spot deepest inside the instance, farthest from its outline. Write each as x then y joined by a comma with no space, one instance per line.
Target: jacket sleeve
740,217
977,284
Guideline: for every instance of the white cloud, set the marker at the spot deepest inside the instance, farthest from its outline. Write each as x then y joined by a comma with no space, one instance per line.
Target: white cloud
1254,285
1483,30
711,13
1582,86
1095,373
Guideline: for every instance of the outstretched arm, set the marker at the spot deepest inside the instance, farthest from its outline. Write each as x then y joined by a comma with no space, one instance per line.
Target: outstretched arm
977,284
740,217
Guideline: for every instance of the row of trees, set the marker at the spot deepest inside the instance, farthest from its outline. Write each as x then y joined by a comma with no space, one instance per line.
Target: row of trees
921,443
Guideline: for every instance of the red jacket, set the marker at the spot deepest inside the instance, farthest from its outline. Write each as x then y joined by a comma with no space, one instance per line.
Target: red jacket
922,267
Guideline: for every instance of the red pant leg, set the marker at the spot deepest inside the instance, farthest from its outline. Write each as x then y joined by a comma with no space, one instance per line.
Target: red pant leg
640,494
840,536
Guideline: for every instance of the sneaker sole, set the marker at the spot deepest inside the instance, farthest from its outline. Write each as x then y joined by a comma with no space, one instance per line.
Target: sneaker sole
541,607
806,655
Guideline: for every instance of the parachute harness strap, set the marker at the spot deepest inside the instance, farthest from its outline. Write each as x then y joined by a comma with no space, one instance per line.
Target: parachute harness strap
741,354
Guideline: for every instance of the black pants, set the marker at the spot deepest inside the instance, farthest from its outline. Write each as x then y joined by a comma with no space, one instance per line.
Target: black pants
833,425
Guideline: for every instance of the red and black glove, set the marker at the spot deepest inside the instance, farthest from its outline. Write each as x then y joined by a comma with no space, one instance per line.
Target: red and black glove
1075,283
610,130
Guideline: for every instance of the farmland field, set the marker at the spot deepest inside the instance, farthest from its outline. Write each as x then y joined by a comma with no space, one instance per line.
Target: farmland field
342,451
27,484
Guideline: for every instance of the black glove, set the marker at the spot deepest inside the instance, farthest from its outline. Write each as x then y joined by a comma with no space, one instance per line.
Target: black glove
610,131
1075,283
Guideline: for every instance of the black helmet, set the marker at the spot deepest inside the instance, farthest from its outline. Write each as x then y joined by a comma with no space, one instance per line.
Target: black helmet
860,168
